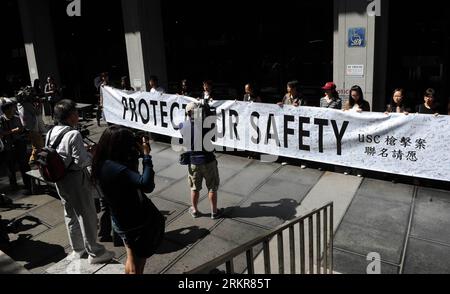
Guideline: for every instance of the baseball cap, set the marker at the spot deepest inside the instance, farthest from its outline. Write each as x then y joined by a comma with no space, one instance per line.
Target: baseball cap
329,86
191,106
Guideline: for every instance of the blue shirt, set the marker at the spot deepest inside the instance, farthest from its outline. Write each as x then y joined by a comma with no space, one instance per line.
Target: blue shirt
122,189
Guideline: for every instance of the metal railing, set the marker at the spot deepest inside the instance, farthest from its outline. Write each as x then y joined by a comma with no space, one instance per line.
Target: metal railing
314,248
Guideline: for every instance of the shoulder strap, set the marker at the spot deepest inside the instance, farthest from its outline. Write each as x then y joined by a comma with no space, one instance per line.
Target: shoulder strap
58,139
192,136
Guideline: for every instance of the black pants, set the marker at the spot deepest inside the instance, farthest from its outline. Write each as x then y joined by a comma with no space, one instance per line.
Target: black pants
99,114
17,156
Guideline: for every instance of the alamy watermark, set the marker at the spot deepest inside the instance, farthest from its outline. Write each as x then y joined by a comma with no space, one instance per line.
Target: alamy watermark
374,266
74,8
374,8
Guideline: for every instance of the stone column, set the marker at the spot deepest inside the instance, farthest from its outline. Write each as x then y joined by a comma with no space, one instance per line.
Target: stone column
145,42
39,39
363,64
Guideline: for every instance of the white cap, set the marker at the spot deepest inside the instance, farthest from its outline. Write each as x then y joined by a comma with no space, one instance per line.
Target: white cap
191,106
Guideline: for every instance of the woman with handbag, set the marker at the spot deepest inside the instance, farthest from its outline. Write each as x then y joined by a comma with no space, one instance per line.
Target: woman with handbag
134,217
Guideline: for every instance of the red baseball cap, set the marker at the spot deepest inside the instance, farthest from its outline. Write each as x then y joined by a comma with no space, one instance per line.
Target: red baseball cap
329,86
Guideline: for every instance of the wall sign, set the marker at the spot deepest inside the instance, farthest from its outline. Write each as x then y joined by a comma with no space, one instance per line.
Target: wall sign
355,70
356,37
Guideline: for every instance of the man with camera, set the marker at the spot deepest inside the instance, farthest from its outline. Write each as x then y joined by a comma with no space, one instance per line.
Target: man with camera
13,136
75,189
28,116
202,164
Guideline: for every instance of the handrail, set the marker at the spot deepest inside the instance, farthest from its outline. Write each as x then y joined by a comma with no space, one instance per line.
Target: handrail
247,248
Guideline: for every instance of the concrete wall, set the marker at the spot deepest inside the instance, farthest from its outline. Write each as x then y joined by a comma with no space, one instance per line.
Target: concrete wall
39,39
373,56
145,41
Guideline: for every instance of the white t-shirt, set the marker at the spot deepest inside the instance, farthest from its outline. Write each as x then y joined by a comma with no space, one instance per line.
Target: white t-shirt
159,90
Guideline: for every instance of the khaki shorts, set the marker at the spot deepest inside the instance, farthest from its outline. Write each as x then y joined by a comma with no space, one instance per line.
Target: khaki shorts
209,172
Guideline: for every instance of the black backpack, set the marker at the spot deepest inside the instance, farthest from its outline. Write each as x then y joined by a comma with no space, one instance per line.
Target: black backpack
50,163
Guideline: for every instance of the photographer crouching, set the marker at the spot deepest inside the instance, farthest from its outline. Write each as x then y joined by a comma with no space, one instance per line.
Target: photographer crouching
202,164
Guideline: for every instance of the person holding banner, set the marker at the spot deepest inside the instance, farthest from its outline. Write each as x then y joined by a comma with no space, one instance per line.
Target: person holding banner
356,101
251,94
208,93
429,106
185,89
331,99
398,103
293,96
125,84
154,85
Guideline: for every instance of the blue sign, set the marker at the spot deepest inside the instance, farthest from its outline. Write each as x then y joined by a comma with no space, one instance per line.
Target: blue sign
357,37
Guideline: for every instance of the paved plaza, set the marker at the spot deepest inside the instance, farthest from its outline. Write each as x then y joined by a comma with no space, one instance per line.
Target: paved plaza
408,226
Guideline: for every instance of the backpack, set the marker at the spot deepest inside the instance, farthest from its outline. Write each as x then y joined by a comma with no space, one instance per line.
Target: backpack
51,165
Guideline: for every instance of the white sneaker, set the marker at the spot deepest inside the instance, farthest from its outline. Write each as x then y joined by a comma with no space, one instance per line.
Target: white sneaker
75,256
105,257
303,166
284,163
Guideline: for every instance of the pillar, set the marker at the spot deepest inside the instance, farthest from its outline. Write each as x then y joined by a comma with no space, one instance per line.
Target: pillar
363,64
39,39
144,38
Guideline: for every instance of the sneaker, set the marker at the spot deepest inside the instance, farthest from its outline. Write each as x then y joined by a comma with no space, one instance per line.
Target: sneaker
359,175
103,258
218,214
346,173
303,166
75,256
284,163
194,214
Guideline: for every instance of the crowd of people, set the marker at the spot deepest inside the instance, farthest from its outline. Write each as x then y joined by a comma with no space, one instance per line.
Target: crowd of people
111,167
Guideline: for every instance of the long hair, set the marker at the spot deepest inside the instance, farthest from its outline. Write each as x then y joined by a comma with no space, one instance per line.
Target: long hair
401,90
351,101
117,144
335,94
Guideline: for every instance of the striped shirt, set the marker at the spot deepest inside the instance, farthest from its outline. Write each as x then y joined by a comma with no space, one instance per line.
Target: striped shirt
334,104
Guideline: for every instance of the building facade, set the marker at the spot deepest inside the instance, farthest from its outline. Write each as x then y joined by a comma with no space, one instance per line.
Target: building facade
379,45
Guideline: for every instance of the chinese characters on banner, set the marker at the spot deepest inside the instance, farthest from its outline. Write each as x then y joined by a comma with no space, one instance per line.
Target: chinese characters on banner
412,145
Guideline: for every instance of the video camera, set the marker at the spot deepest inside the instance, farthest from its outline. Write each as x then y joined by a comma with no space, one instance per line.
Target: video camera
27,95
141,134
85,133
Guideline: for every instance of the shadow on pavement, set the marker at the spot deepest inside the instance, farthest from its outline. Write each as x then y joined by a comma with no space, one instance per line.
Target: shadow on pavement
35,253
284,209
182,238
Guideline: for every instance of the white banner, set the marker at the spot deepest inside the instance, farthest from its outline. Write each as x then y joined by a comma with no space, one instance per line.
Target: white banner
412,145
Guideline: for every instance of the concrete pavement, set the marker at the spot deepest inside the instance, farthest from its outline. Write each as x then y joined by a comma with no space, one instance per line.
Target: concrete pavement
407,225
